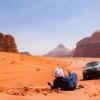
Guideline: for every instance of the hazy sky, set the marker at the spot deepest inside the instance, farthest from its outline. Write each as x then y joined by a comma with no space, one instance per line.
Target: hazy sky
40,25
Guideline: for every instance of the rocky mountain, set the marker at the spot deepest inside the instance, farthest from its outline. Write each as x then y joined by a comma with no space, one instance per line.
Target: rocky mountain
71,53
89,46
25,53
59,51
7,43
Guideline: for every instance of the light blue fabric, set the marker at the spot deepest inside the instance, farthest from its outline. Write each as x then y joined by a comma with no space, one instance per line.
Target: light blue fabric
72,80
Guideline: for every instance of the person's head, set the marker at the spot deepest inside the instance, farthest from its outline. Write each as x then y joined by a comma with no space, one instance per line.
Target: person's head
59,72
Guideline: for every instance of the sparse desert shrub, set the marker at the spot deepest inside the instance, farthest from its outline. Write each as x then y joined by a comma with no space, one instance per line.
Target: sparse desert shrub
93,94
12,62
37,90
38,69
3,59
20,84
99,91
80,86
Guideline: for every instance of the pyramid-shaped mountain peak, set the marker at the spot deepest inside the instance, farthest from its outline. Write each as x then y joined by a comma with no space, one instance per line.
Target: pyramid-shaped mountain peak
61,46
59,51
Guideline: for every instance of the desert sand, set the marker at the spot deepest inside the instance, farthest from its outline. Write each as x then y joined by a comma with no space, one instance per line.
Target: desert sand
25,78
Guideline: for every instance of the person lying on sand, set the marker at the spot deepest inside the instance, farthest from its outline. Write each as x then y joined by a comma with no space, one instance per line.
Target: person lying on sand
64,82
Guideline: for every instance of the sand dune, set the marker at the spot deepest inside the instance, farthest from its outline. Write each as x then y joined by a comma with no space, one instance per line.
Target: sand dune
25,78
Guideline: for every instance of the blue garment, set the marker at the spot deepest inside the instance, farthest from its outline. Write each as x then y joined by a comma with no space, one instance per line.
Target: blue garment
72,80
66,83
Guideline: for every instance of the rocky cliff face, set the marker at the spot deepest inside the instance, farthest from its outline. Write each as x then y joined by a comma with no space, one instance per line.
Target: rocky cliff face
7,43
89,46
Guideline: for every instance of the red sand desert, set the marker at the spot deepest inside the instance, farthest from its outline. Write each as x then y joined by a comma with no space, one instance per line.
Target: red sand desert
25,78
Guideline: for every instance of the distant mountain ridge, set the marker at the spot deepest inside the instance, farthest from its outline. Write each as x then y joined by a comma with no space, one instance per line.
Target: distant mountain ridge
60,51
25,53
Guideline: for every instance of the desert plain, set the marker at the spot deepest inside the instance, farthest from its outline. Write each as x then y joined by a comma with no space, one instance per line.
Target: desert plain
25,77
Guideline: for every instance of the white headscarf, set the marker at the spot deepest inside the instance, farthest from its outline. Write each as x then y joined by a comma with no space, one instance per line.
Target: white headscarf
59,72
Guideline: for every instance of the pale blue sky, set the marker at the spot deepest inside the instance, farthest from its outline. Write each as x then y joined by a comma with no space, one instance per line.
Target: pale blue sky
40,25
